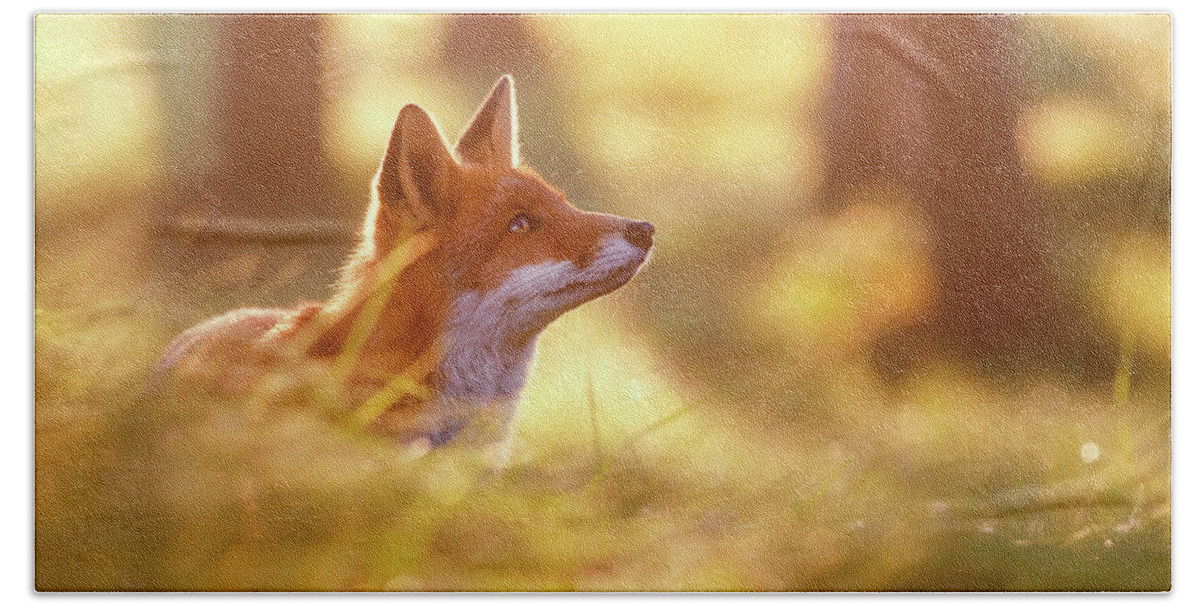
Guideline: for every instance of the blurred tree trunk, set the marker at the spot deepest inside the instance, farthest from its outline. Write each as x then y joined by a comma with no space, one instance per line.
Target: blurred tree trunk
251,181
928,103
269,118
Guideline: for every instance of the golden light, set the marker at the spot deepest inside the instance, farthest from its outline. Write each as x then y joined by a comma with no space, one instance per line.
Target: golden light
1071,139
723,97
1133,284
98,117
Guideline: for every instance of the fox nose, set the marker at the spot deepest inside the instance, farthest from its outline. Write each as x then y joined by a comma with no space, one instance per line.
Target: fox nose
640,235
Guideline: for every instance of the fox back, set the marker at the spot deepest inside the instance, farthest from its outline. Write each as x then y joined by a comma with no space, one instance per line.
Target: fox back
465,257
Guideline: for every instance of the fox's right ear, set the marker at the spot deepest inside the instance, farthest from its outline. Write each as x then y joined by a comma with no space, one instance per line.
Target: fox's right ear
416,176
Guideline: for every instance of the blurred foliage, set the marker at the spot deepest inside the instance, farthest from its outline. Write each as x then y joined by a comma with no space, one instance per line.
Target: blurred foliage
717,424
849,278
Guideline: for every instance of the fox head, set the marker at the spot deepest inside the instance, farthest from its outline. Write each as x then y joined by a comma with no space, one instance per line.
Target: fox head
512,252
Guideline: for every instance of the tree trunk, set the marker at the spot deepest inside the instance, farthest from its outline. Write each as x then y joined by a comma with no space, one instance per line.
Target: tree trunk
250,218
928,103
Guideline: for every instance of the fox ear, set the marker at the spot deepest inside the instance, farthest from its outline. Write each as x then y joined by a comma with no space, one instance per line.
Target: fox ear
415,178
491,138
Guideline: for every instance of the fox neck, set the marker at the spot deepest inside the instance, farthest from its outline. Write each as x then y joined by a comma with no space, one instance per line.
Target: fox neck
484,366
404,328
483,359
485,351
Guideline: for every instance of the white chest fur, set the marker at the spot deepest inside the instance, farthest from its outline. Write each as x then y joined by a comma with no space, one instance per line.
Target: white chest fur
491,336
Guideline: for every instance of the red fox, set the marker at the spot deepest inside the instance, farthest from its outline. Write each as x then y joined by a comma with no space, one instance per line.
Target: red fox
465,257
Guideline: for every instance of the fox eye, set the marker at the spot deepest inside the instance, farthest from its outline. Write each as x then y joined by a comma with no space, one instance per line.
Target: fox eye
520,223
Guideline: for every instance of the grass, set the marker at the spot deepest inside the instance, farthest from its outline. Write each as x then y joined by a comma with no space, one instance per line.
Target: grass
944,483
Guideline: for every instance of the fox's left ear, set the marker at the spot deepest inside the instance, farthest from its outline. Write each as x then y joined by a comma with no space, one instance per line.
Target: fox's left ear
491,138
416,177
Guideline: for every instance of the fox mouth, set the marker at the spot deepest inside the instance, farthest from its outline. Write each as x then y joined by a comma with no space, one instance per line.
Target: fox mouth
533,296
612,281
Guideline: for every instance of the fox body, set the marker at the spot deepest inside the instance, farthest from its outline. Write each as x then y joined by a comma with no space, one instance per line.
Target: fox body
489,255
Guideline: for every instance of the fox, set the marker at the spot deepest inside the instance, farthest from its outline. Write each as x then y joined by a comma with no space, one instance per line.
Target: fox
465,256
